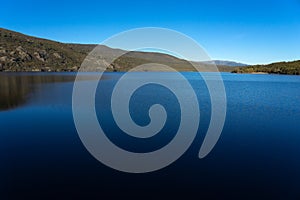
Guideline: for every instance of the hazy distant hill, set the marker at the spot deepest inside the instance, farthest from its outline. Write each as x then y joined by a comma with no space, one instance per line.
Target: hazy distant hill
226,63
292,68
19,52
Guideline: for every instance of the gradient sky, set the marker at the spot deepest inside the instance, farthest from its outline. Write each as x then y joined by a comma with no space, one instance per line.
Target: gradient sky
256,31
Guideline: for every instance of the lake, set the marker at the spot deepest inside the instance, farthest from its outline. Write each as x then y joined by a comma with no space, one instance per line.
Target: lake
257,155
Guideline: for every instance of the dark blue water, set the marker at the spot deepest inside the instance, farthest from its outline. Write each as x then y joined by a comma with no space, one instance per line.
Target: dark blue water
257,155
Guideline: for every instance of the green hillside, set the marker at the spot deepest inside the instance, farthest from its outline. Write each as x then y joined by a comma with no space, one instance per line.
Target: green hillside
292,68
19,52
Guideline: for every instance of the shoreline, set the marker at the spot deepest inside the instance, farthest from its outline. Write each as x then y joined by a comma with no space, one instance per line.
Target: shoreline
264,73
259,73
65,72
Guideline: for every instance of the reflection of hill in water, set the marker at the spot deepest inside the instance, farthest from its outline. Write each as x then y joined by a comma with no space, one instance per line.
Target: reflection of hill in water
16,88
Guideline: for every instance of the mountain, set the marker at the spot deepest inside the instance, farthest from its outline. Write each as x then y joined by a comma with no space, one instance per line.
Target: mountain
226,63
19,52
292,68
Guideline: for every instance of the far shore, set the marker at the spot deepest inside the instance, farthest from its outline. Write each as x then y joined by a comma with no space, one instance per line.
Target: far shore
66,71
259,73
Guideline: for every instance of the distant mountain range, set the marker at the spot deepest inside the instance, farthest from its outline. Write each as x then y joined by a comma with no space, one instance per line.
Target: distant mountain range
19,52
226,63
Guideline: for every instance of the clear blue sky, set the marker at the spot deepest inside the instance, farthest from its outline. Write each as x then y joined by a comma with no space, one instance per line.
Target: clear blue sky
250,31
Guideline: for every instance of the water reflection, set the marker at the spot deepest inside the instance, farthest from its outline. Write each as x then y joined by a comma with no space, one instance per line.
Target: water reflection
15,89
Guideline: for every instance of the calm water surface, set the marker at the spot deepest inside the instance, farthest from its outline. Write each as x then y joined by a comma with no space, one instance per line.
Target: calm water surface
257,156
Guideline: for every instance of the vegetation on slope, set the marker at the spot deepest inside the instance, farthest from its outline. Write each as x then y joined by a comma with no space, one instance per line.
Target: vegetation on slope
292,68
19,52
